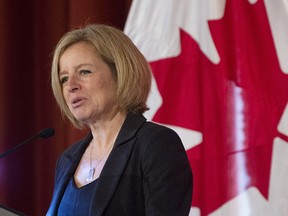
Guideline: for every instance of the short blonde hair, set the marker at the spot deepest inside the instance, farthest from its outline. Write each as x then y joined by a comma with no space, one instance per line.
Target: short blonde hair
130,69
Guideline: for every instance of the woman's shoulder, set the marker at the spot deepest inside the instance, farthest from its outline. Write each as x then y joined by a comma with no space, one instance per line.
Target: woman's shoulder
154,135
154,128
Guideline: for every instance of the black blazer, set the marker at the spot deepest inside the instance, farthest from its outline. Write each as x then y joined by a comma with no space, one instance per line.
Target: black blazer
146,173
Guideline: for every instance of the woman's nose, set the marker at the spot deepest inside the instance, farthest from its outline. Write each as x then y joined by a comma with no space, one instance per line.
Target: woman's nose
72,84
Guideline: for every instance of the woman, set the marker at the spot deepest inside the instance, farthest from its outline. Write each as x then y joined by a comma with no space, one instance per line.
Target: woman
125,165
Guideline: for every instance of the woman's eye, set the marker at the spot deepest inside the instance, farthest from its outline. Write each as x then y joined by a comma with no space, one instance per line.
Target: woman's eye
84,72
63,80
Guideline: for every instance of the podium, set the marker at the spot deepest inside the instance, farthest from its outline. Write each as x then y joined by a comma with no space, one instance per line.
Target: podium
5,211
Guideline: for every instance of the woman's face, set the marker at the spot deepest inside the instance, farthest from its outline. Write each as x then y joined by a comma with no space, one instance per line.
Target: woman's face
87,84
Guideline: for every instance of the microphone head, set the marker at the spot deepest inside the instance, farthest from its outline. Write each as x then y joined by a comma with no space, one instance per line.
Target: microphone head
47,132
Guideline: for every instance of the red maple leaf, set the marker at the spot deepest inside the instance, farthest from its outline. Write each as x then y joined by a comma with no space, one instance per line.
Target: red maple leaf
200,95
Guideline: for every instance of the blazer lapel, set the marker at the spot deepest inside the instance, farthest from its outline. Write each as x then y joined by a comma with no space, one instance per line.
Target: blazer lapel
71,160
115,164
60,189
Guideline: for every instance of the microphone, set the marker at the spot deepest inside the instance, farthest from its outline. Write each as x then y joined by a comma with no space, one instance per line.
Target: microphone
45,133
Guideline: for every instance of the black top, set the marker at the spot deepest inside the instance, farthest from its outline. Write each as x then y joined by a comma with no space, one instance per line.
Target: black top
76,201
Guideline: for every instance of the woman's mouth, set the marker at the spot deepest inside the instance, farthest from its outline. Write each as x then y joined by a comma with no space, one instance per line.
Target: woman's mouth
77,102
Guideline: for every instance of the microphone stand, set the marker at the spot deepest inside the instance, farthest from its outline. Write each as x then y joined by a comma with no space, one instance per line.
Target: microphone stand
45,133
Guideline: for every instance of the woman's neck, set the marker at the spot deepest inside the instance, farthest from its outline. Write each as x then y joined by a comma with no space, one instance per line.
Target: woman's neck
105,133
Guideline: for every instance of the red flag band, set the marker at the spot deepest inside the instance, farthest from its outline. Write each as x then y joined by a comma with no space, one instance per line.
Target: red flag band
221,81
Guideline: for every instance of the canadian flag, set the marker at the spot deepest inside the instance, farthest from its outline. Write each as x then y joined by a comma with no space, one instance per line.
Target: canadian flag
221,81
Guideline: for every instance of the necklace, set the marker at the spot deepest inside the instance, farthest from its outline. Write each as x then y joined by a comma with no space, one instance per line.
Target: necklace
92,169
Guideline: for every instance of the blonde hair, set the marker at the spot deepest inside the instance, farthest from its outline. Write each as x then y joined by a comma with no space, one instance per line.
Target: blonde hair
129,67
